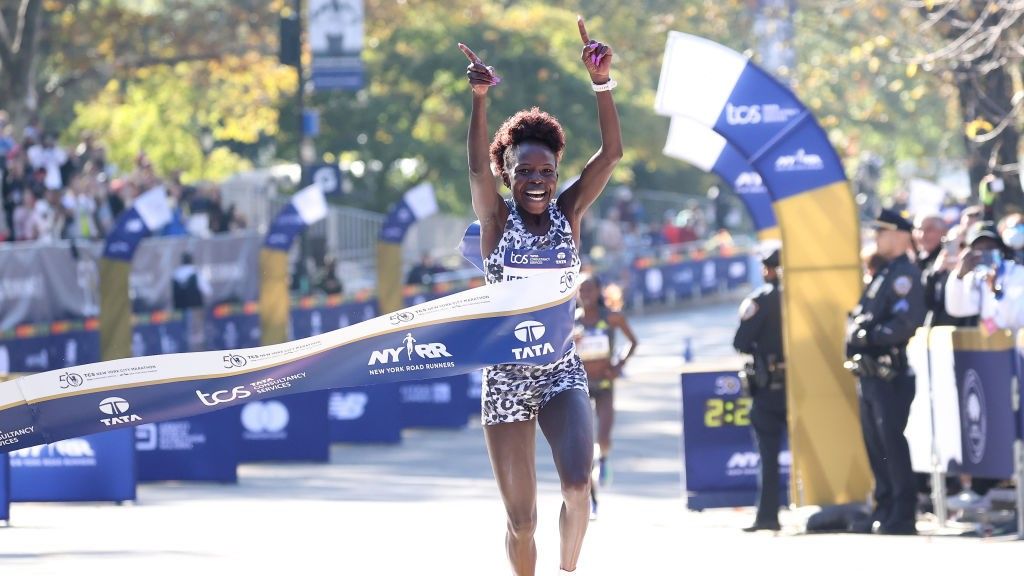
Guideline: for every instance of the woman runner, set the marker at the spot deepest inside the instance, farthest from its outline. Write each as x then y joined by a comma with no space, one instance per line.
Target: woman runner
533,232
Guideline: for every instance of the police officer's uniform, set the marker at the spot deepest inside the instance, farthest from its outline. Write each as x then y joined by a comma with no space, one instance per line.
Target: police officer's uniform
890,311
760,335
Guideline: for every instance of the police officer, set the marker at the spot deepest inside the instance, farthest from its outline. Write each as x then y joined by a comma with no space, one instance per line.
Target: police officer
890,311
760,335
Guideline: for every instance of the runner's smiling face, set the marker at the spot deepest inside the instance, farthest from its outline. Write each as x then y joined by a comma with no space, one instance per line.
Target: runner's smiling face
534,176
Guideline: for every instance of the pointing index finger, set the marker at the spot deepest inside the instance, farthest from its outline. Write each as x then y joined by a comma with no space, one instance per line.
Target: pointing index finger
583,30
469,53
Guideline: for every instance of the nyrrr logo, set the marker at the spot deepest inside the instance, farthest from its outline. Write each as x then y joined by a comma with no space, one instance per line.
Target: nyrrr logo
222,396
117,409
431,350
70,448
801,160
743,460
528,332
748,181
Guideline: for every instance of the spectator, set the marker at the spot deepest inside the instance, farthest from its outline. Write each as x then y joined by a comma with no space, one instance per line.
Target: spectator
48,216
984,285
669,231
87,152
49,157
423,272
24,226
329,281
80,205
7,142
189,290
15,184
936,259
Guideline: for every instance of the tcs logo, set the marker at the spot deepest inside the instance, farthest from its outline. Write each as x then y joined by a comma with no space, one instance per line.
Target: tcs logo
742,115
519,258
222,396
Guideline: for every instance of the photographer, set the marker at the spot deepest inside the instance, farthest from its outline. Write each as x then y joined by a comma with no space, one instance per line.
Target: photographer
985,283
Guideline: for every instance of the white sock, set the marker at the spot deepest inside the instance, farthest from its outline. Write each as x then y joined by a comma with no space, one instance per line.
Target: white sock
566,572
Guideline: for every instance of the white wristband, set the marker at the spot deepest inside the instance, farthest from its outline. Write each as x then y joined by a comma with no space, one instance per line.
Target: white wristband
604,87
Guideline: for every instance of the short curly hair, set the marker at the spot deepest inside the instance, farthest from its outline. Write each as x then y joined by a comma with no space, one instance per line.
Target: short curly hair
526,125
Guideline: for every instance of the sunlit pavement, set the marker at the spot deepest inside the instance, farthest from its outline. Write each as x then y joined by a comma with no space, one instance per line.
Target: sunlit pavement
430,506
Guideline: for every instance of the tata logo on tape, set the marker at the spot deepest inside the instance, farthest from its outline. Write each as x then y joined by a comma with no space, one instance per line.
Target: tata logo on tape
119,411
411,349
529,332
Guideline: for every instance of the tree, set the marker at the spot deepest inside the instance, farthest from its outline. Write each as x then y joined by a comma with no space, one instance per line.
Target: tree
106,60
19,42
981,43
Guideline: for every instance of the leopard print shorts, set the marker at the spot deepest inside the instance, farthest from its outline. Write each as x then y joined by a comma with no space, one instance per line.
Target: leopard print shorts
517,393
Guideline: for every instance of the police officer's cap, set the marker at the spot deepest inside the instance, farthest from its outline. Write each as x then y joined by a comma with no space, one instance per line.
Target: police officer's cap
891,220
772,259
981,230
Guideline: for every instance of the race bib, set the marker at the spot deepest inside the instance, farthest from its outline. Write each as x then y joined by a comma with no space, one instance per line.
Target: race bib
526,262
594,345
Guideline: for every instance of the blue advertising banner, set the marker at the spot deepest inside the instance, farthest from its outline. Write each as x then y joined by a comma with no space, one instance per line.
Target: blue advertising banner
5,488
148,214
163,338
231,328
94,468
732,167
435,403
733,271
200,449
315,320
984,380
650,282
335,34
328,176
365,415
682,278
720,458
50,351
416,204
288,429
